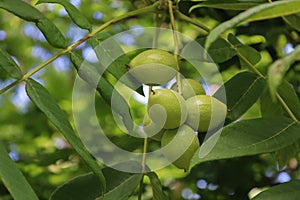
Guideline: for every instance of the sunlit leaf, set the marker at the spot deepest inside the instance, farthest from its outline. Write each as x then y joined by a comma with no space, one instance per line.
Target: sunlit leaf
13,178
9,65
260,12
248,137
47,104
74,13
29,13
282,8
283,191
226,4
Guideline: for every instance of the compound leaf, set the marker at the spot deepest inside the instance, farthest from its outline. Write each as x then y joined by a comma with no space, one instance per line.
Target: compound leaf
260,12
47,104
74,13
29,13
248,137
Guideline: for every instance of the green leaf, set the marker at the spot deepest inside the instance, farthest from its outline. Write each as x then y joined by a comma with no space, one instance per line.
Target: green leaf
29,13
248,137
268,106
247,55
105,89
293,20
220,50
111,55
51,33
278,69
242,91
289,96
284,155
86,187
260,12
92,72
107,52
78,18
9,65
105,58
120,185
157,190
120,105
272,107
278,9
226,4
13,178
21,9
47,104
283,191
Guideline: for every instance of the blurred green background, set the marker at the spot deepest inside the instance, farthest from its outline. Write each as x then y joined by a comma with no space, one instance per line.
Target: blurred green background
48,161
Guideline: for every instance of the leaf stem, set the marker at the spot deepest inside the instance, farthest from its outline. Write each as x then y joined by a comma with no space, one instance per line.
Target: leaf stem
250,65
156,33
144,154
282,102
152,8
141,188
176,44
175,36
286,107
144,159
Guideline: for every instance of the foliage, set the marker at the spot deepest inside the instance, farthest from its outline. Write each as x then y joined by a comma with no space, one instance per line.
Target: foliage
255,45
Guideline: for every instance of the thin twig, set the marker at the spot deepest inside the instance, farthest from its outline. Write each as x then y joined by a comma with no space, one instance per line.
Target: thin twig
152,8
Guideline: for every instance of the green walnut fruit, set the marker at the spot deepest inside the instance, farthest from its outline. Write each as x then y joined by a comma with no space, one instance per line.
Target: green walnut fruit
153,129
153,67
205,112
168,107
190,88
180,146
